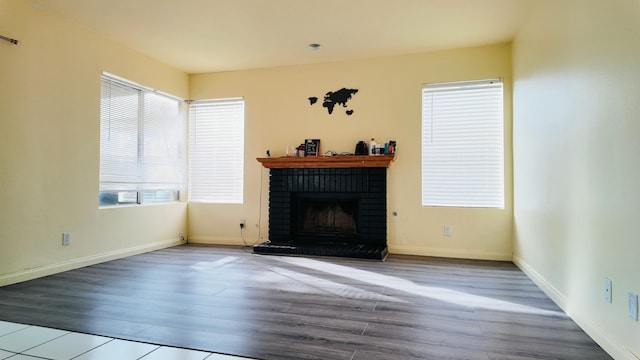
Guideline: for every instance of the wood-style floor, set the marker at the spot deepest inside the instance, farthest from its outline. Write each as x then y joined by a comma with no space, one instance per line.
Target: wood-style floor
228,300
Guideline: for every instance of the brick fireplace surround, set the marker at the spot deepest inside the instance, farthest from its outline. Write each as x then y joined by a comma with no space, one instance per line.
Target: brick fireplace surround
358,180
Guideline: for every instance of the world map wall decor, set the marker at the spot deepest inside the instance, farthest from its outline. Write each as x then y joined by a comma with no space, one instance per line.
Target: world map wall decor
333,98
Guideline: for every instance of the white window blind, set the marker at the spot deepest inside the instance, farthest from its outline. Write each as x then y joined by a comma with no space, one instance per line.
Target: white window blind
463,144
142,144
216,151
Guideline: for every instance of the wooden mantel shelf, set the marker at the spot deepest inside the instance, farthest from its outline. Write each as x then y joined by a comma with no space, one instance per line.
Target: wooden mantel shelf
328,161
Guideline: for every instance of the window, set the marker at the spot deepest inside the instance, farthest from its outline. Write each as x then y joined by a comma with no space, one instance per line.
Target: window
216,151
142,144
462,144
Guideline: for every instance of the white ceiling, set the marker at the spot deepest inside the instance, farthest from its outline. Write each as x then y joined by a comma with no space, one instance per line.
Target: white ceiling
219,35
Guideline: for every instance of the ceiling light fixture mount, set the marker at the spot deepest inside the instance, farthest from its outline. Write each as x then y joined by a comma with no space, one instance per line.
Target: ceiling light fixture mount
315,46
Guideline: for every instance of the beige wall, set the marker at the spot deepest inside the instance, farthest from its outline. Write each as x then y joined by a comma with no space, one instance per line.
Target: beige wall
577,161
49,147
387,106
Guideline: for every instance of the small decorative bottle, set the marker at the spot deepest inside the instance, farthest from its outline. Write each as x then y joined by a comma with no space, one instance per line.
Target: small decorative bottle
372,146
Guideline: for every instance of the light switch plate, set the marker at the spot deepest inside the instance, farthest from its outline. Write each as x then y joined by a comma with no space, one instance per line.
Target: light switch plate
607,290
633,305
66,238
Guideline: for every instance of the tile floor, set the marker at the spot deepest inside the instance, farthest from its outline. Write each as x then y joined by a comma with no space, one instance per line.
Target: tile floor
22,342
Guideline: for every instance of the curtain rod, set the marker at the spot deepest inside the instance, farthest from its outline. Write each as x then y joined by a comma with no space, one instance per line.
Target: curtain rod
13,41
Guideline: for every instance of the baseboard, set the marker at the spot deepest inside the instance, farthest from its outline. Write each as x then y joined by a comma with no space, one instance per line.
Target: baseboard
51,269
542,283
462,254
449,253
220,240
600,336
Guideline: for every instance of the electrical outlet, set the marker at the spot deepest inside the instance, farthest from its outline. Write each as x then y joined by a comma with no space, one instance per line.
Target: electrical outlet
66,238
447,230
607,290
181,235
242,223
633,305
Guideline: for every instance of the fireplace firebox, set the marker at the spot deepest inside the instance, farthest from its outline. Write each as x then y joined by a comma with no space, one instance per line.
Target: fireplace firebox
324,217
327,212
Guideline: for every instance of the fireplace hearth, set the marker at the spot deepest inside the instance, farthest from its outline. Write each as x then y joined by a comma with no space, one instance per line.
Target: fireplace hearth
327,212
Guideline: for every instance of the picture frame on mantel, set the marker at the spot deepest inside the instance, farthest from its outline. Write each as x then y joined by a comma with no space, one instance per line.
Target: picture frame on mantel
312,147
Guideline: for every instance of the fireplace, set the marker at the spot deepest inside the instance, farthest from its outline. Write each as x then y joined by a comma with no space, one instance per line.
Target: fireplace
327,212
